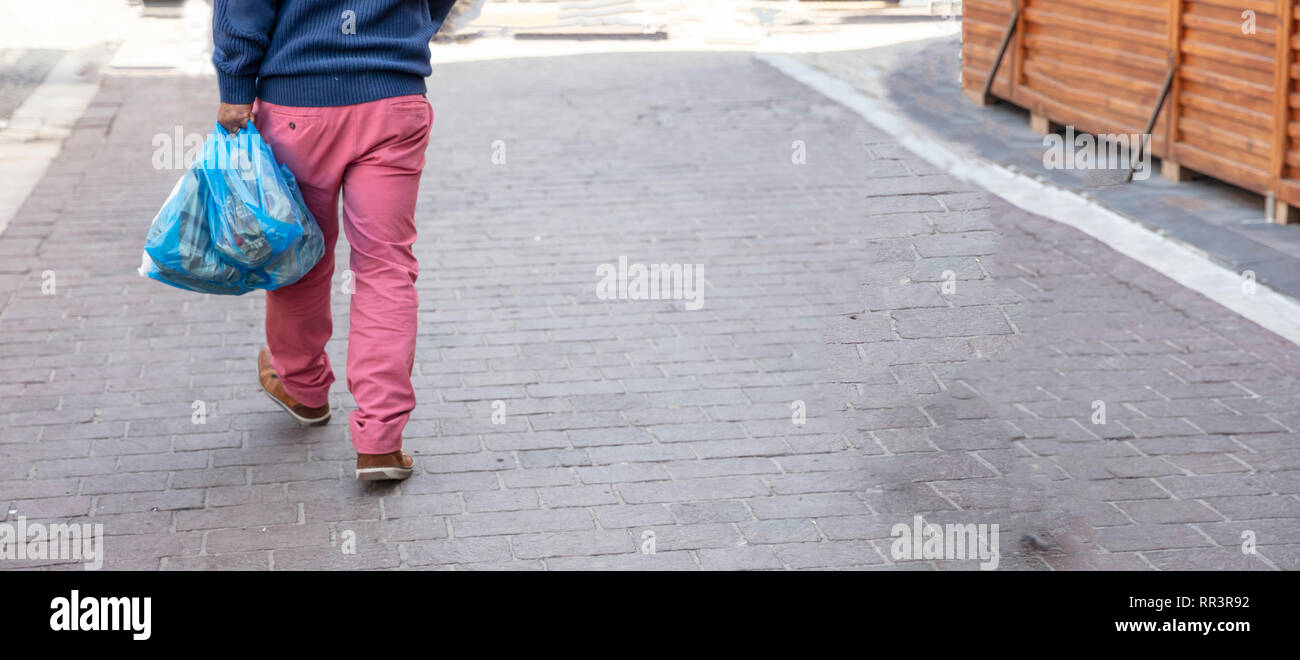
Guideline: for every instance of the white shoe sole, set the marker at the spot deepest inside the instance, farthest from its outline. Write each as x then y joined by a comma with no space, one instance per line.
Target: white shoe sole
384,473
305,421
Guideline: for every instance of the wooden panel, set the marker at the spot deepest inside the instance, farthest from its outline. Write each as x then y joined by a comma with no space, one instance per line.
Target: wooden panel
1096,63
983,22
1226,106
1234,108
1287,160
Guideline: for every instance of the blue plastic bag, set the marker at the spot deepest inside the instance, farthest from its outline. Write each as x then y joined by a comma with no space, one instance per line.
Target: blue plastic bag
236,221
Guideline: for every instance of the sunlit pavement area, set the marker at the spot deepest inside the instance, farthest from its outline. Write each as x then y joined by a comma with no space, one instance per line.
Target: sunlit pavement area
874,341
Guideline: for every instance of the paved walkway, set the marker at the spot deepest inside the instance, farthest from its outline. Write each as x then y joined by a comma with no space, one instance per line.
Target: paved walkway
637,423
1224,222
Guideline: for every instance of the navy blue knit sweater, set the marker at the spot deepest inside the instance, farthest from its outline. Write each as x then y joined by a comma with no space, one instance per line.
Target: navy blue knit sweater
323,52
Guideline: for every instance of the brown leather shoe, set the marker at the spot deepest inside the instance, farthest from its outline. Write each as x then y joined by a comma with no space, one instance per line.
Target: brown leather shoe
373,467
275,389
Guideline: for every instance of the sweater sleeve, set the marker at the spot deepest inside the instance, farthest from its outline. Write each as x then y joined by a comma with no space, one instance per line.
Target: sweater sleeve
438,10
241,33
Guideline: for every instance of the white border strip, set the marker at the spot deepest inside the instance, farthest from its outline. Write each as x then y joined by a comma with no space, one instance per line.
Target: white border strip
1180,263
35,133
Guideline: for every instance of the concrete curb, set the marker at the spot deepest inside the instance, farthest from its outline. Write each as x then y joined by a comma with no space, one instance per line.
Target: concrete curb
1183,264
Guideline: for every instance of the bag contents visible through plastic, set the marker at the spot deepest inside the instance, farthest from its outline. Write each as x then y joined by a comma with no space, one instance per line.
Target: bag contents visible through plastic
236,221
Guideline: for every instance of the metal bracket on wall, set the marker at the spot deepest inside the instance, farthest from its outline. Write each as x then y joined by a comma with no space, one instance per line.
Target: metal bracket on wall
1002,50
1155,115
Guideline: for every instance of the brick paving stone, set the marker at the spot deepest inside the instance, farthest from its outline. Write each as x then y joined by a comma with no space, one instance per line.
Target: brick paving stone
744,558
945,350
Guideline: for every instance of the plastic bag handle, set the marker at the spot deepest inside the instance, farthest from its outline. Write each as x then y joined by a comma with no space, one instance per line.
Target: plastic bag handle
220,131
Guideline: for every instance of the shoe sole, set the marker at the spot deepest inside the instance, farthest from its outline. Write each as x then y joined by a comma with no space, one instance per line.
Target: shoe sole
384,474
299,418
305,421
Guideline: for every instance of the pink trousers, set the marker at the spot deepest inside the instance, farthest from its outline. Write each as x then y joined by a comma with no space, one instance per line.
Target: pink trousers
372,154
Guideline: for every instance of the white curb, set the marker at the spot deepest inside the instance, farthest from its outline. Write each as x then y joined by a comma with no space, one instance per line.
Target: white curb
1180,263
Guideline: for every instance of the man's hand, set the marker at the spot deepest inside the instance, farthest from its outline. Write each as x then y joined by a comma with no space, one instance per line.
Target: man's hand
233,117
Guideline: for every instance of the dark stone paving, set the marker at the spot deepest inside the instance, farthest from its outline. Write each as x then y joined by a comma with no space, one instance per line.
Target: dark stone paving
949,352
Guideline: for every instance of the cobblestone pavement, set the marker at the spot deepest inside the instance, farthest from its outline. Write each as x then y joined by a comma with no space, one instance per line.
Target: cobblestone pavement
1223,221
949,351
